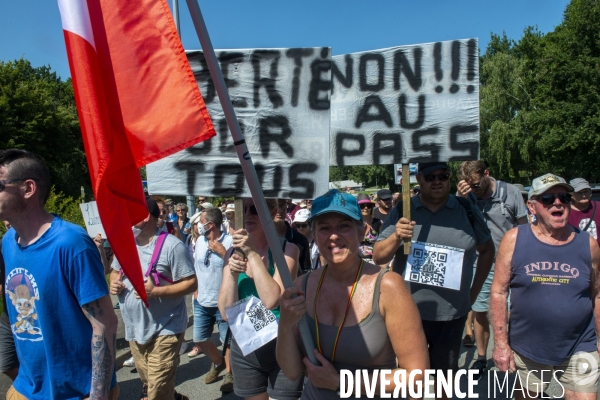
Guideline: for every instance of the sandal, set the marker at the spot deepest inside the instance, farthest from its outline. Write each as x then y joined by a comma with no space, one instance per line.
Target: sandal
468,341
144,395
195,351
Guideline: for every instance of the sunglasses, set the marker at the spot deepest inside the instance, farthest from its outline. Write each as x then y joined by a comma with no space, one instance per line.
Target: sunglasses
475,185
416,191
207,258
297,225
548,199
365,205
252,209
441,177
3,183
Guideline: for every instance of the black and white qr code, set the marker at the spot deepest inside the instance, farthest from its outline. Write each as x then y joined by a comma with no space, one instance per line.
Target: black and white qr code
260,316
429,267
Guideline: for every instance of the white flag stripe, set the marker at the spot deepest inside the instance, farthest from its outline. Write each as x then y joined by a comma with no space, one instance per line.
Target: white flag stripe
76,18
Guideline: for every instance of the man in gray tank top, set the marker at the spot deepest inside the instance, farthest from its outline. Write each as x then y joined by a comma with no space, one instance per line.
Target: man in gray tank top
549,267
502,207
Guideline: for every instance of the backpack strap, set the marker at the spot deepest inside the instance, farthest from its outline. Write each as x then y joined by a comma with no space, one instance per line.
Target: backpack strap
595,207
467,205
152,271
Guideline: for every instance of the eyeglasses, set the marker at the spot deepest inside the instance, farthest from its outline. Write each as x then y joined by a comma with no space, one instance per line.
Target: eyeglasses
548,199
179,210
441,177
365,205
252,209
3,183
297,225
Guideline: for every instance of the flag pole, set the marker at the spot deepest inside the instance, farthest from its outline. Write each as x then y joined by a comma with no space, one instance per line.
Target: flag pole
247,166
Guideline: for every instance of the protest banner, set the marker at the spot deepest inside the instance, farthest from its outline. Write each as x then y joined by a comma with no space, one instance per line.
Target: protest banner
91,217
417,103
281,98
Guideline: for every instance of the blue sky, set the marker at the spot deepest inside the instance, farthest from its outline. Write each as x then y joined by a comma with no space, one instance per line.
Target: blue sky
32,28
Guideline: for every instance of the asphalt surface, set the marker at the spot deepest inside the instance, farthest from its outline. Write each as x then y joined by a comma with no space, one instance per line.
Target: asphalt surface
191,371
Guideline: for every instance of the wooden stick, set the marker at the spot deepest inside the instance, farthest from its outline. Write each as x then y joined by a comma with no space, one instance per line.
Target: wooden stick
406,200
239,221
239,213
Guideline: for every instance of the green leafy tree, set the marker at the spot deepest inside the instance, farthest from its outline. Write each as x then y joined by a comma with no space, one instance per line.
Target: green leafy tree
38,113
540,99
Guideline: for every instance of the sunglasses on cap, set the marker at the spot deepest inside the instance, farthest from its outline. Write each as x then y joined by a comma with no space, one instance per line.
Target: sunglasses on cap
3,183
548,199
300,225
365,205
441,177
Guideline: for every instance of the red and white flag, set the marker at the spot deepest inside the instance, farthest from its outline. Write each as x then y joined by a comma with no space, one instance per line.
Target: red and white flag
137,101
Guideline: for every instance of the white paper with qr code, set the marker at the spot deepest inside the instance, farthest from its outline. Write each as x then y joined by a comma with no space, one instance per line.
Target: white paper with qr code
252,324
435,265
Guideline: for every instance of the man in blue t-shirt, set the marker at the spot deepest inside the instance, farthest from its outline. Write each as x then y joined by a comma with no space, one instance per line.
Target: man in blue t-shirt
57,299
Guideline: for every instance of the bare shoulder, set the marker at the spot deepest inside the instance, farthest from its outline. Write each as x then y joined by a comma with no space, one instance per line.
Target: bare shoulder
594,250
291,249
393,284
511,235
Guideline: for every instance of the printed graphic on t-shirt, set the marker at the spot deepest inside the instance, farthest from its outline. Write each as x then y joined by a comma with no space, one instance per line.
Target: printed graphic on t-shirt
24,293
548,273
432,264
591,229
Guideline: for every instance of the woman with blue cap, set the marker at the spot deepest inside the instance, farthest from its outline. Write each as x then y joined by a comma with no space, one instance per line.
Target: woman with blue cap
360,315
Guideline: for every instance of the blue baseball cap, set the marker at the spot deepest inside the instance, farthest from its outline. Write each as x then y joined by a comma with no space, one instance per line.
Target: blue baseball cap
337,202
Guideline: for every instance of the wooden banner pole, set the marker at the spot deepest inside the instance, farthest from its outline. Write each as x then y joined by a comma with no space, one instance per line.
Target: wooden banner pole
406,200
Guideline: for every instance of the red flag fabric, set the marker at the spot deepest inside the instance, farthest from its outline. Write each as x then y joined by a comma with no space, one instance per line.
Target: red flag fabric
137,101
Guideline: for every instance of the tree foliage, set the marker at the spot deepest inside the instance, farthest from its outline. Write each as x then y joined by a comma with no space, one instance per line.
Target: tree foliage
38,113
540,108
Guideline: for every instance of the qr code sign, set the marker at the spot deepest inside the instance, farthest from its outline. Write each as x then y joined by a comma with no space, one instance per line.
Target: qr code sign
429,267
260,316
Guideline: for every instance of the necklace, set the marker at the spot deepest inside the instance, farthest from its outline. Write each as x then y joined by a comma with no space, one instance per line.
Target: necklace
339,331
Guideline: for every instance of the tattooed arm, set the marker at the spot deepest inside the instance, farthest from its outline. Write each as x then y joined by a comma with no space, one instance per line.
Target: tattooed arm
104,335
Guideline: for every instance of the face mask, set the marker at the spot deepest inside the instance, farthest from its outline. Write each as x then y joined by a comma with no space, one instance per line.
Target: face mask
202,231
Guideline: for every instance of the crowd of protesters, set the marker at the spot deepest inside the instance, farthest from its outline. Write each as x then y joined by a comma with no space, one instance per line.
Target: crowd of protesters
491,257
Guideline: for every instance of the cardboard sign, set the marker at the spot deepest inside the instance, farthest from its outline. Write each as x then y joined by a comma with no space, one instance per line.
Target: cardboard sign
281,98
405,104
91,217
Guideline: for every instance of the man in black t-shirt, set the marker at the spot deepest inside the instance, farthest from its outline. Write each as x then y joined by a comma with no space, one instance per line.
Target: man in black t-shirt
384,204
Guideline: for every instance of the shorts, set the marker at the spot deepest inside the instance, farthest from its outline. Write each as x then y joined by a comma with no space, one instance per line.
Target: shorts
482,303
579,373
258,372
444,339
204,321
8,352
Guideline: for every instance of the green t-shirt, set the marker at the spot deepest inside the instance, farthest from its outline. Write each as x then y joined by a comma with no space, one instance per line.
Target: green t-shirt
247,288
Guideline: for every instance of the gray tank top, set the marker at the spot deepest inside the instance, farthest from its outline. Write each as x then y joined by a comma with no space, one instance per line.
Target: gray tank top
363,346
